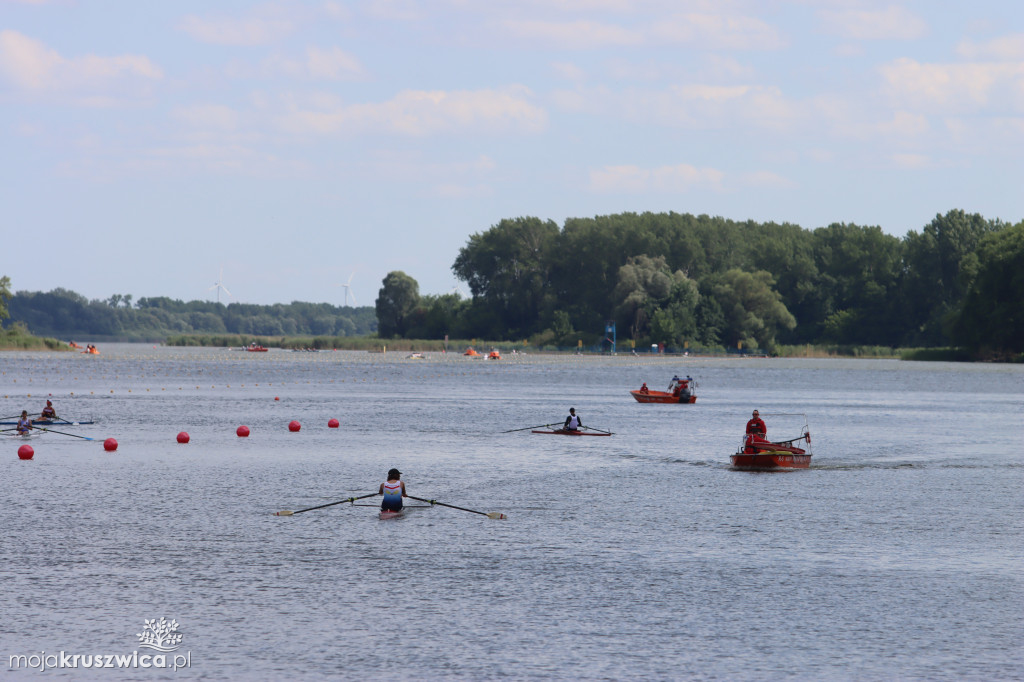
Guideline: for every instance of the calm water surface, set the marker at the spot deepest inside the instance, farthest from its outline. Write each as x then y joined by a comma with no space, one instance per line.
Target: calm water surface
897,555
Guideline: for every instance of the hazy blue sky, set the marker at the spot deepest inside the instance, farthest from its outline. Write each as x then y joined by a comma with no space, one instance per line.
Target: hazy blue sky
146,146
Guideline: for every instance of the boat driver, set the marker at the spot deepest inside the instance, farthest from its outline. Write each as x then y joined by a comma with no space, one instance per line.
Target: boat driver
393,491
756,427
572,422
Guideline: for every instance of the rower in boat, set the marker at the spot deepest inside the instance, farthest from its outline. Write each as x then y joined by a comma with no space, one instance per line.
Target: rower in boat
48,412
393,491
572,422
24,424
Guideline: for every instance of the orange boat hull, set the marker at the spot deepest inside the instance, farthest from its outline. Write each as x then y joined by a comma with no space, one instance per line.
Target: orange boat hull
661,397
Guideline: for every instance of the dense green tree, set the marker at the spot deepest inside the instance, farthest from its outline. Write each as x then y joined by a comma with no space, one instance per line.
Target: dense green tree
396,301
5,295
990,319
933,282
508,267
753,310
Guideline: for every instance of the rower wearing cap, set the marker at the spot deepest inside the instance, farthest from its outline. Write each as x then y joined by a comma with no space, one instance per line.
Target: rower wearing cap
572,422
393,491
48,411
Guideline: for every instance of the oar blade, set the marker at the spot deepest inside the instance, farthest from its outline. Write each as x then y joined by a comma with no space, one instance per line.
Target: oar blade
496,515
284,512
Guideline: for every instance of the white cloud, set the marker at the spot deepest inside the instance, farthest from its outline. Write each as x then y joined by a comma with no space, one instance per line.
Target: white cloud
891,23
636,180
586,35
767,179
1004,48
718,32
332,64
209,116
422,112
954,87
911,161
245,31
30,65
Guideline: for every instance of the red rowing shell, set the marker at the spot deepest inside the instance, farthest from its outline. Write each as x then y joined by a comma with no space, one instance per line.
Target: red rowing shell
563,432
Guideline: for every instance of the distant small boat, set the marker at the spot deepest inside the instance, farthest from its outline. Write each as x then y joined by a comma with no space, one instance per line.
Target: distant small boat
494,355
472,353
253,348
415,356
680,391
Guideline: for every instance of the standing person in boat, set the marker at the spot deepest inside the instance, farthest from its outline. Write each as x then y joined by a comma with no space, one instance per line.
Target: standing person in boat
48,411
572,422
24,424
393,491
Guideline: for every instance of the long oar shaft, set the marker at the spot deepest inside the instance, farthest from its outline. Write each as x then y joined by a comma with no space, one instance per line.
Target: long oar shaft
285,512
527,427
490,515
73,435
591,428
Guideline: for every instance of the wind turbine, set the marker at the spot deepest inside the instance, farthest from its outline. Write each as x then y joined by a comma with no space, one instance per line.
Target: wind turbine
348,290
219,286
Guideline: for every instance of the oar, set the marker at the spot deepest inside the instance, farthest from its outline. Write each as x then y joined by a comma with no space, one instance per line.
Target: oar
17,416
490,515
66,421
591,428
73,435
285,512
527,427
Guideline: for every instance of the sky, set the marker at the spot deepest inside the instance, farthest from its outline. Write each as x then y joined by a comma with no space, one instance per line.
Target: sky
286,148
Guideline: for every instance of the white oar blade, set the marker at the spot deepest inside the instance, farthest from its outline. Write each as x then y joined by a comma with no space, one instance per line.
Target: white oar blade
496,515
284,513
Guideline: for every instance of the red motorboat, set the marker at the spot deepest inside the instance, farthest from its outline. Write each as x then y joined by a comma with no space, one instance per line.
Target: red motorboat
758,454
679,391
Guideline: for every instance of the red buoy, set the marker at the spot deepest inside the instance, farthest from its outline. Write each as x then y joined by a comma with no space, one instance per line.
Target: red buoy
110,445
294,426
276,398
183,437
242,431
333,424
25,452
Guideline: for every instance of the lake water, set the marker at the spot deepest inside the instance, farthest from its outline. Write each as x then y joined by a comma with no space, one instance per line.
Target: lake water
897,555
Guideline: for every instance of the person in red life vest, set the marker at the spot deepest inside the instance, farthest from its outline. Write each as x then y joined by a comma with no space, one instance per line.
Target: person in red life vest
756,430
48,411
393,491
644,389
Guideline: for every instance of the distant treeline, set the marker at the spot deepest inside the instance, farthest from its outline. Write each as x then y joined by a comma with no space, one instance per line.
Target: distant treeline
697,281
68,315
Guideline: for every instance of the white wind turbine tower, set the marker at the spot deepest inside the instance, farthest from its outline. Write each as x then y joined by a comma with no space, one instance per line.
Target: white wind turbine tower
219,286
348,290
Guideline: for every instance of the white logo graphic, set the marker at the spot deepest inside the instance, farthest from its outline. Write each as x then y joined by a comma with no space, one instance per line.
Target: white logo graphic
160,634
